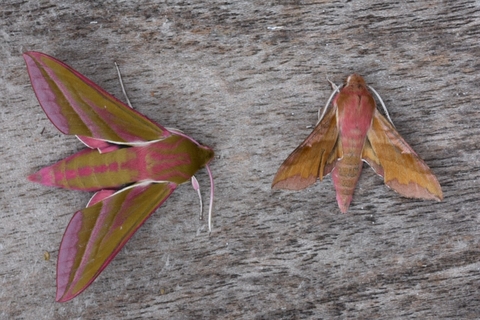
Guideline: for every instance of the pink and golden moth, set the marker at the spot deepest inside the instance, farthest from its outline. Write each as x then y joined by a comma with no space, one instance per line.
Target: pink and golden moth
133,164
350,131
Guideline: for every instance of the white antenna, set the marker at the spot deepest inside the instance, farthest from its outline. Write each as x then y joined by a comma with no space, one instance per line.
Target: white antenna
335,90
383,105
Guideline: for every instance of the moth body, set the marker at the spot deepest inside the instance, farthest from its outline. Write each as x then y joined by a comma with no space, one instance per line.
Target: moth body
173,159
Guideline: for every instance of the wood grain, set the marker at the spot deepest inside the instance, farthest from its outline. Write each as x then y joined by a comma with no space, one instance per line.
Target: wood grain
247,78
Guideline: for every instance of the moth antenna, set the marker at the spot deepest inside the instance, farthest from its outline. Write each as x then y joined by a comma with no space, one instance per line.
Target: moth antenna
335,90
121,85
210,206
196,187
383,105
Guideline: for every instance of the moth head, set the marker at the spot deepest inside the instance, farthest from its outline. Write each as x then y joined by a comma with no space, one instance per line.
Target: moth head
355,82
355,79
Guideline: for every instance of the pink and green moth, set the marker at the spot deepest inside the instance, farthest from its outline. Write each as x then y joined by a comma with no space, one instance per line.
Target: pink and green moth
133,164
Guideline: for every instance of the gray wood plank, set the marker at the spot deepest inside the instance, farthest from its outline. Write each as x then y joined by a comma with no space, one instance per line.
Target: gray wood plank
247,78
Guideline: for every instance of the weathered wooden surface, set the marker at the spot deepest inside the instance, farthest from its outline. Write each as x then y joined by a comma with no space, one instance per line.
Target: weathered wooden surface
247,77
